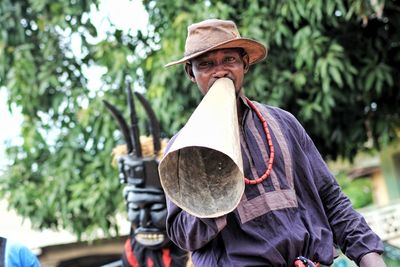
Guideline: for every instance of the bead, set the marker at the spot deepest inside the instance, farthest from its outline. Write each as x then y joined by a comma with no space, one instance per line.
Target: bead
270,144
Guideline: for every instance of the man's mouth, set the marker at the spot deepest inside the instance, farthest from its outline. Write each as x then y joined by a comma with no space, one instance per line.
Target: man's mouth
212,83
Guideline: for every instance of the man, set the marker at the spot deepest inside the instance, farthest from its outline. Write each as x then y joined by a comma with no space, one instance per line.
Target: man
14,254
292,212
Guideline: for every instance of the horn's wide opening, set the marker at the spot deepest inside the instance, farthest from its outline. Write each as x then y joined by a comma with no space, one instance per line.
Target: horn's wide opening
203,181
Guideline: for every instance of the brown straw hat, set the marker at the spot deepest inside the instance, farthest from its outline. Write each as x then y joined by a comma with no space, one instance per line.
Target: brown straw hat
215,34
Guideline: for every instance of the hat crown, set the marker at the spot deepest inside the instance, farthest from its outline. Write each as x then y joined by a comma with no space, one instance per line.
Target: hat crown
209,33
213,34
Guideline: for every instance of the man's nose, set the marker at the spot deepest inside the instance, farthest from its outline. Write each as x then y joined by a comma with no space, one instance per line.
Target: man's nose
220,71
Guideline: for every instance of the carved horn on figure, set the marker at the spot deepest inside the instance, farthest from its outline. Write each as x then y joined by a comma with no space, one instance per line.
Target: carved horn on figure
146,171
202,172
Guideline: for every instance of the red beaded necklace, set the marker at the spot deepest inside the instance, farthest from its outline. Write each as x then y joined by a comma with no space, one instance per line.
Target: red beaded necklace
271,146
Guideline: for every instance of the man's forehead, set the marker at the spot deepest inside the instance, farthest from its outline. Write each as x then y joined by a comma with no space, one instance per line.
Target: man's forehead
223,50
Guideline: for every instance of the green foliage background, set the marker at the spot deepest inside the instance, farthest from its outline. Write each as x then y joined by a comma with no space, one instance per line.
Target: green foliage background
359,191
334,64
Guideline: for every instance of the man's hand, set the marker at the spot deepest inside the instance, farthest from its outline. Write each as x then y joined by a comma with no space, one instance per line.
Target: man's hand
372,260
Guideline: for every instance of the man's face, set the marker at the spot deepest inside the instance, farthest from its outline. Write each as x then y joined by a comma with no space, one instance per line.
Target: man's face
207,68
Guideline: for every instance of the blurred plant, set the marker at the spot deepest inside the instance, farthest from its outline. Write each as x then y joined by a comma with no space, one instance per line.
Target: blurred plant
60,176
334,64
359,190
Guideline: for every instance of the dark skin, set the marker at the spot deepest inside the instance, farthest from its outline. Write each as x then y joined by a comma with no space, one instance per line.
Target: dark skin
372,260
207,68
232,63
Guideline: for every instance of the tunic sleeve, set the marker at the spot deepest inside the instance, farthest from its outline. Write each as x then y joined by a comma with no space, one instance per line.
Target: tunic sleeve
189,232
350,230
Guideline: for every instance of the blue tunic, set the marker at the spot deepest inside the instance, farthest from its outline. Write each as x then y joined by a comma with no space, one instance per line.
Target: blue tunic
299,210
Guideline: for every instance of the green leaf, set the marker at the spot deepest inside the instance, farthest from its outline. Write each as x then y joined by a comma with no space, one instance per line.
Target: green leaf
336,76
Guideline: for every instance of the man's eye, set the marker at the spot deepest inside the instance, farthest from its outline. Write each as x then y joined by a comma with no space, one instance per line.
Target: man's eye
230,60
205,64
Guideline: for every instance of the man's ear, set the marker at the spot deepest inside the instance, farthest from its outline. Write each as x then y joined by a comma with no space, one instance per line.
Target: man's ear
189,72
246,65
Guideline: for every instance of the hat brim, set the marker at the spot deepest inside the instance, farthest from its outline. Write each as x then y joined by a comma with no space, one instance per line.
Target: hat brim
254,49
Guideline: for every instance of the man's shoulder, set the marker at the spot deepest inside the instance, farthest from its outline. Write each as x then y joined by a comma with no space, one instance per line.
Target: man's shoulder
278,112
285,120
